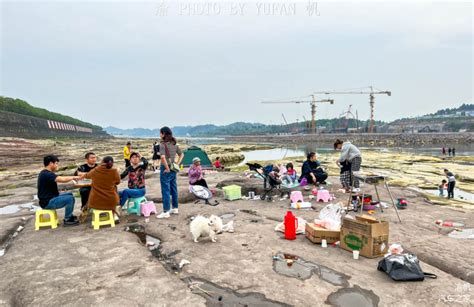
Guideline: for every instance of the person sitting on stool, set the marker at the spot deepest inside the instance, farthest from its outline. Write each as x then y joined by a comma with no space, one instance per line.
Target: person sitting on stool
90,164
196,174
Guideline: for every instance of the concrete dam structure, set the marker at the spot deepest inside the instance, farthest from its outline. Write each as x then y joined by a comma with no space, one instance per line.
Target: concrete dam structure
23,126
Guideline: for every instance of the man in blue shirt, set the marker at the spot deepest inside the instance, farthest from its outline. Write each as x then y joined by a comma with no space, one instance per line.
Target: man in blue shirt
48,193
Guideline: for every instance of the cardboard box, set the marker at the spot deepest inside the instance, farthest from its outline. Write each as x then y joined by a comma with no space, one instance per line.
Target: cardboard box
316,234
366,234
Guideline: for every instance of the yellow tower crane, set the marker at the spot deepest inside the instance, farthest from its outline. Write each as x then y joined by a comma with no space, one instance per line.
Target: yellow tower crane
312,103
371,93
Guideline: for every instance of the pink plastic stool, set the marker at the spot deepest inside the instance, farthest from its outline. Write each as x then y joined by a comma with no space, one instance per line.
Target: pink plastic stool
296,196
323,195
147,208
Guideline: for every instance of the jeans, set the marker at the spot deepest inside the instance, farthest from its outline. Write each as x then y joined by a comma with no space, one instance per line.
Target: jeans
65,200
451,186
130,193
84,195
168,187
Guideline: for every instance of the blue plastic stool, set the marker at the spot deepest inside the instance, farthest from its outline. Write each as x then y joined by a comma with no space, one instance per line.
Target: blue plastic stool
133,205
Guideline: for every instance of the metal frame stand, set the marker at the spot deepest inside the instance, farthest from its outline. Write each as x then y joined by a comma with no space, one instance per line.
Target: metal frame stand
374,180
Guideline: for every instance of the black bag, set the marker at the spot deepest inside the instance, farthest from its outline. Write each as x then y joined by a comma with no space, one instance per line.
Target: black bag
405,267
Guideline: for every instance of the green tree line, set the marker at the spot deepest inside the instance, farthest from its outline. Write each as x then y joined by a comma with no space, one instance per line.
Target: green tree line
22,107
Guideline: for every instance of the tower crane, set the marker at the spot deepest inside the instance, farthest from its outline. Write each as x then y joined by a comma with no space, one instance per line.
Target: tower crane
371,93
312,103
347,115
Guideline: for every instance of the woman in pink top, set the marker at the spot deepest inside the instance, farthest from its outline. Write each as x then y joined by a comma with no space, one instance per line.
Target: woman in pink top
196,174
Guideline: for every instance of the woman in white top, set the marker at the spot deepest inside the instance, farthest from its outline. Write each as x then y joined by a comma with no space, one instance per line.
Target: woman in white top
351,153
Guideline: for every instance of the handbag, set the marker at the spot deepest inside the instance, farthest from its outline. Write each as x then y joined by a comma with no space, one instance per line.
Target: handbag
174,167
404,267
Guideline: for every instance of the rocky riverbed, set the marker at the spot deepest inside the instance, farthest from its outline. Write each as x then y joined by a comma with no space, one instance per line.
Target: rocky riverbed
79,266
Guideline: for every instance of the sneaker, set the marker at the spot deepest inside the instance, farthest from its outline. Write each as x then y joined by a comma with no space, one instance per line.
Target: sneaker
163,215
72,221
174,211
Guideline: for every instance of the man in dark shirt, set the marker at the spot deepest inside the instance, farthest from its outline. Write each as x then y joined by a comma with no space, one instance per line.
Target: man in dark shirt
90,164
312,170
48,193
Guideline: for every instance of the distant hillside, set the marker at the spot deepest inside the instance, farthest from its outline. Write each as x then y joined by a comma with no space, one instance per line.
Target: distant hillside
241,128
443,120
24,108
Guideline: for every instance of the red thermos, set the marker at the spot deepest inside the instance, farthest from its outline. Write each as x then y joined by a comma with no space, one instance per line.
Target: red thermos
291,224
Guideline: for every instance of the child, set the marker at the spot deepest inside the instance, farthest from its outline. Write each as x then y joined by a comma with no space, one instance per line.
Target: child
441,187
290,172
451,183
345,175
218,164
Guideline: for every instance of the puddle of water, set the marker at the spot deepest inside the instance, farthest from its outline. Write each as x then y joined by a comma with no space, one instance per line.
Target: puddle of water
458,194
227,216
12,209
356,296
216,295
293,266
462,234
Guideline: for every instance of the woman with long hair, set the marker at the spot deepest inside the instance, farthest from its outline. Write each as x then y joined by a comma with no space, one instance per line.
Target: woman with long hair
169,149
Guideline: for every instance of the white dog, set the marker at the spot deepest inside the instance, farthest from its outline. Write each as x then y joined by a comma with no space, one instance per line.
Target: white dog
220,227
203,226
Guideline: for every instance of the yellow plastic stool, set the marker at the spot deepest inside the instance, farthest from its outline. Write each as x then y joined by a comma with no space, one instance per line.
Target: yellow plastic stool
98,220
45,217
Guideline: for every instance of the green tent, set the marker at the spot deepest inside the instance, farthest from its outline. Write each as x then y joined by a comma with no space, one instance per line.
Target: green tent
193,152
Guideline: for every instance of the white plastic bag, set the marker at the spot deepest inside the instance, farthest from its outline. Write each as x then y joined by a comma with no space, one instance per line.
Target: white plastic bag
331,216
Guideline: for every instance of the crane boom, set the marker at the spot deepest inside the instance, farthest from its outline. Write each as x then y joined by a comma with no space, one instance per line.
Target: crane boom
313,107
371,100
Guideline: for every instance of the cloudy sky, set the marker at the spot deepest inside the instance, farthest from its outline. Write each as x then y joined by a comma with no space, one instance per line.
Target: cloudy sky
149,64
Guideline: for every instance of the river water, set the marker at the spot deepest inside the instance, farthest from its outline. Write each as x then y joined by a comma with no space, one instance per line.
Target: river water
301,150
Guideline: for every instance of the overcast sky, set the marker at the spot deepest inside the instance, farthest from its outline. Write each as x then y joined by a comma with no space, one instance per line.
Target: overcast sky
130,64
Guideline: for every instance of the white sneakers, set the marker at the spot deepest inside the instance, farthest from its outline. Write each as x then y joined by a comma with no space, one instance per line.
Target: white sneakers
165,215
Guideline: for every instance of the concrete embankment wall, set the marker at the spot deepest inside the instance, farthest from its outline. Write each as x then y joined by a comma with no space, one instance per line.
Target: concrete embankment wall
390,139
23,126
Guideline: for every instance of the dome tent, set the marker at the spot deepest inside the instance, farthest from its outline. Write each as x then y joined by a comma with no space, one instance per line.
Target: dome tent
193,152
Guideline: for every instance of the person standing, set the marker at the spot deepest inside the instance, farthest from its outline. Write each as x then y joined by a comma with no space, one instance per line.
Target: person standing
454,152
136,178
443,151
90,164
449,151
168,151
127,150
156,156
48,192
350,153
451,183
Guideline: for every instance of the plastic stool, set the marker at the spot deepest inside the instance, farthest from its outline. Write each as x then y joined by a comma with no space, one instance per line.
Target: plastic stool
147,208
45,217
323,195
135,202
98,221
296,196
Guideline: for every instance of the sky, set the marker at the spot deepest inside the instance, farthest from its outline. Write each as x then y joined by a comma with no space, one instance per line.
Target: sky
175,62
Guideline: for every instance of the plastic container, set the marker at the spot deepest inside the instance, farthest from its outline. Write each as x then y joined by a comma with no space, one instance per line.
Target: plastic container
355,254
291,224
232,192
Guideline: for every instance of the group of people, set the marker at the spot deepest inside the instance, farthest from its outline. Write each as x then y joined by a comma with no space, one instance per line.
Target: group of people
102,194
450,151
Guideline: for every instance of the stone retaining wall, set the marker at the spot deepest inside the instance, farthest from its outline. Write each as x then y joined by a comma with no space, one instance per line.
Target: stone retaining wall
23,126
